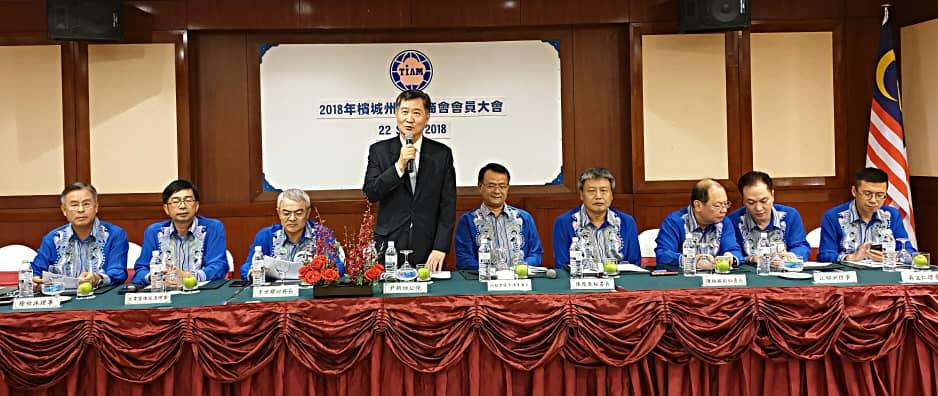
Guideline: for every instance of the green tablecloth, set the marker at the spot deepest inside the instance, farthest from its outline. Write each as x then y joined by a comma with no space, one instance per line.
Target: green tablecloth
647,282
459,285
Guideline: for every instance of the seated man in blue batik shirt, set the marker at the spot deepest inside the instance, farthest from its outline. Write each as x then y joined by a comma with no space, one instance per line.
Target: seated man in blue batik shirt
706,219
782,224
295,237
86,248
503,225
609,232
195,244
849,230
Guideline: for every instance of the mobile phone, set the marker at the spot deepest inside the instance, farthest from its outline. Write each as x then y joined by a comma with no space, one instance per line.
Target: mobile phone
663,273
469,274
131,288
877,247
240,283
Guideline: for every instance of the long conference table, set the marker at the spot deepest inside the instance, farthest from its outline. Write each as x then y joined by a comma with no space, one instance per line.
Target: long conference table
662,335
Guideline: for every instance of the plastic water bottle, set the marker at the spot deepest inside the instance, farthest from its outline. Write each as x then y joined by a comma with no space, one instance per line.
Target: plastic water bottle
688,256
26,279
485,260
390,259
257,267
576,256
765,255
890,258
156,273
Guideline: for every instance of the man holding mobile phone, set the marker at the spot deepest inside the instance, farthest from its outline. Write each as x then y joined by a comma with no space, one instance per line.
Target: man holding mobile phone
850,230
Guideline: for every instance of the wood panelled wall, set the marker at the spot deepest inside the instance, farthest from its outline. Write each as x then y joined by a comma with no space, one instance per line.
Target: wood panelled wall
219,46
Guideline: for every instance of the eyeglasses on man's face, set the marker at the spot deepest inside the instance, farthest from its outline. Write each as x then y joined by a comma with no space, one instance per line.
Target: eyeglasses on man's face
879,196
182,201
721,205
75,206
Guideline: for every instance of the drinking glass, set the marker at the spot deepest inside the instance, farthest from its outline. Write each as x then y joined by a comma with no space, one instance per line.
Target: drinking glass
54,286
282,266
904,257
87,296
921,261
406,272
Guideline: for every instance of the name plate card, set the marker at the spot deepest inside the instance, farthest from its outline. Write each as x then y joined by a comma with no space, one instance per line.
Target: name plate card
36,302
277,291
405,288
147,298
592,284
723,280
919,276
835,277
509,285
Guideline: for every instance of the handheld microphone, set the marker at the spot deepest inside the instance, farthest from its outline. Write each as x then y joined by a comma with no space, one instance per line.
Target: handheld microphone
409,139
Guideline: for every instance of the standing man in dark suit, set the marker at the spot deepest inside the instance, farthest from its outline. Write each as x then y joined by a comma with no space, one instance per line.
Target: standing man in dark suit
414,180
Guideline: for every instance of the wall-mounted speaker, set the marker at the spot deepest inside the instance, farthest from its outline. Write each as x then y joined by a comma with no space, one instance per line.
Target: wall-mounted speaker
94,20
713,15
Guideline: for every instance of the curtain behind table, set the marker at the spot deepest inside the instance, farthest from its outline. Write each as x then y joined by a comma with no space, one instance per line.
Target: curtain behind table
816,341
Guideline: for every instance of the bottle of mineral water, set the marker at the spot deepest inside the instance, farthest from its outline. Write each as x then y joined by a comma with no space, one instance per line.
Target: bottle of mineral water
26,279
890,258
390,259
257,267
485,260
688,256
156,273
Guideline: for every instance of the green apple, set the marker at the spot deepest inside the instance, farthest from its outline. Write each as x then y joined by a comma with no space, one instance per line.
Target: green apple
920,261
85,288
189,282
722,265
610,267
521,270
423,274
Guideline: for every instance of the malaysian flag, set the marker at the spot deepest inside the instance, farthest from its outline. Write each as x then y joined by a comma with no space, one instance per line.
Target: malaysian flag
885,147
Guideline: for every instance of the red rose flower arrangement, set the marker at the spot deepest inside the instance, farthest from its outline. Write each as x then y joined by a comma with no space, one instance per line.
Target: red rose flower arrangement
321,269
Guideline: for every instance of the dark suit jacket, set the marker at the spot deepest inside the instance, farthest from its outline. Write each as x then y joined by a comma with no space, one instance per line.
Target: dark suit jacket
423,220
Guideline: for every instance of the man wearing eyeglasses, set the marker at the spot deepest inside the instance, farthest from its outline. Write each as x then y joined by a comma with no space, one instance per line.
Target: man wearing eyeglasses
706,219
504,226
86,248
192,244
609,233
760,213
295,233
849,230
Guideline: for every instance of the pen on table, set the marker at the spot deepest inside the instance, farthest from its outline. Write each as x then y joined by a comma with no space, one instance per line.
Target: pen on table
235,295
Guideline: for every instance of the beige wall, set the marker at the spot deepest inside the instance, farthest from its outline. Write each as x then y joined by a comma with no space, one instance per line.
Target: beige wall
919,61
793,103
132,106
32,155
684,106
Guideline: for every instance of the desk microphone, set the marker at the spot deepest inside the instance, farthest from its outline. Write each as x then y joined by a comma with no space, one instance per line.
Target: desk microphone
409,139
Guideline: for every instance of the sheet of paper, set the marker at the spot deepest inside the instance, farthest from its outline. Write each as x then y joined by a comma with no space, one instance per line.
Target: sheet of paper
441,275
629,267
270,268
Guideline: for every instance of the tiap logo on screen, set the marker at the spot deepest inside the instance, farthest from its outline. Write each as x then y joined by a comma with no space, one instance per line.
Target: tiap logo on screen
411,69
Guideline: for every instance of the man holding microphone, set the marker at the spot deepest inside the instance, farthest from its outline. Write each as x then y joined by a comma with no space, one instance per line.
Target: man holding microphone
414,181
